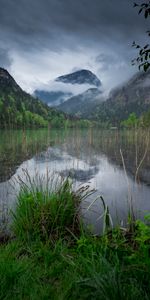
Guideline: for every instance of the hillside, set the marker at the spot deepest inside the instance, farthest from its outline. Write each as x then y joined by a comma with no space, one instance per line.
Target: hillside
134,96
81,104
17,108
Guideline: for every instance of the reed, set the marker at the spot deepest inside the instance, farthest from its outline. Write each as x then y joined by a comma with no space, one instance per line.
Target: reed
46,211
53,257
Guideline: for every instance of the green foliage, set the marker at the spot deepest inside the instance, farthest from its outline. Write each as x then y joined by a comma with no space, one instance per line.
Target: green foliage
131,122
116,266
21,276
84,123
46,214
144,7
29,112
142,239
52,257
143,59
145,119
19,109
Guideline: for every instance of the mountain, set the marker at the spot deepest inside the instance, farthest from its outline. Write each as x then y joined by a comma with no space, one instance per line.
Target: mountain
80,77
67,86
7,82
17,108
82,104
134,96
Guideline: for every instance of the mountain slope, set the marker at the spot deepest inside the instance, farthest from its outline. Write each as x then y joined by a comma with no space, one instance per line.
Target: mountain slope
81,104
80,77
134,96
19,108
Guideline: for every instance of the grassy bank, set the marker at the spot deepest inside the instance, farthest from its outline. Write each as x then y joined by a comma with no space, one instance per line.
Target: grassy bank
51,256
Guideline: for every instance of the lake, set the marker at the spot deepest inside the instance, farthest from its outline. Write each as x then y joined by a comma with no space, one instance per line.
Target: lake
114,163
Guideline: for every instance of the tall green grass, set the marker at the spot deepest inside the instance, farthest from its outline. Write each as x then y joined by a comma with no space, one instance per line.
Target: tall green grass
90,268
52,257
47,214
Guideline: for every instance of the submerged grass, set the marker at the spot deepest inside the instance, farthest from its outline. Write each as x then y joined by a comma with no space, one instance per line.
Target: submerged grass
52,257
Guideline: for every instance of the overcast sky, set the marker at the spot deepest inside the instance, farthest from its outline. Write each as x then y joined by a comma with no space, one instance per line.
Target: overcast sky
43,39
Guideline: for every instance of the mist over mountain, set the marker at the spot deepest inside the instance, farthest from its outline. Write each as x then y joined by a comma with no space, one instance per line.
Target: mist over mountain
64,87
53,98
18,107
81,104
132,96
41,40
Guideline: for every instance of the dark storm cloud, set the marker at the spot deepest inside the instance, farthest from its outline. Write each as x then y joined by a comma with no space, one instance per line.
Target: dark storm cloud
5,60
32,23
61,35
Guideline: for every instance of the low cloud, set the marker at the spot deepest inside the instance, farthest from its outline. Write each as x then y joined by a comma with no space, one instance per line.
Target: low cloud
50,38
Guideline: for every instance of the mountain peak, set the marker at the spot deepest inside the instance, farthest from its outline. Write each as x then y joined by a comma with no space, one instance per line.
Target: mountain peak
4,73
6,80
82,76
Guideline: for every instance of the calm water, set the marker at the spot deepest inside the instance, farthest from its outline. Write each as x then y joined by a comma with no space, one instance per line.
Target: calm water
88,156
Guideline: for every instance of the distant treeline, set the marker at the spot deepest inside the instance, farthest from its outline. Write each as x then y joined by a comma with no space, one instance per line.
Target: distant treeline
134,121
24,111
